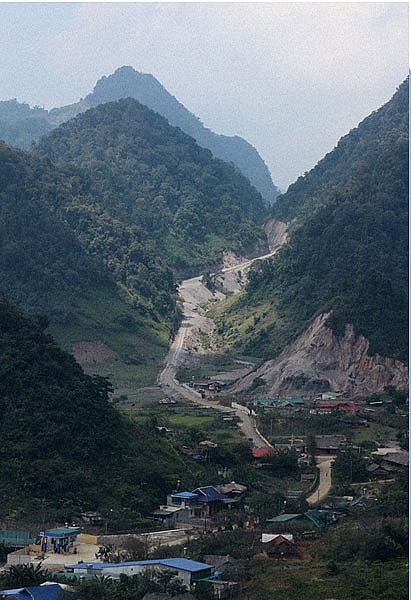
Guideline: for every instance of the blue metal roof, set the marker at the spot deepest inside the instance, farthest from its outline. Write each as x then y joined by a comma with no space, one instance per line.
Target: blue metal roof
184,564
209,494
185,495
61,532
39,592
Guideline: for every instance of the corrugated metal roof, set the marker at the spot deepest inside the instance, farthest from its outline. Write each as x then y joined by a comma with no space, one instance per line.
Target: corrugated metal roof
15,538
284,517
209,494
61,532
185,495
184,564
47,592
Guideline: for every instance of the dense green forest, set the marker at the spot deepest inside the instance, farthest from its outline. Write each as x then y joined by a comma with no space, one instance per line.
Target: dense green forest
64,447
374,136
47,267
349,257
157,186
20,124
125,82
40,255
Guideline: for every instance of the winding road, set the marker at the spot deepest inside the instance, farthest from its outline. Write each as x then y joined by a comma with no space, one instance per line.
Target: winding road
194,294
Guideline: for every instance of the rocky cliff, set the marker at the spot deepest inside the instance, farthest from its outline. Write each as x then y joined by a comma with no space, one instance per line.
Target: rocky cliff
318,361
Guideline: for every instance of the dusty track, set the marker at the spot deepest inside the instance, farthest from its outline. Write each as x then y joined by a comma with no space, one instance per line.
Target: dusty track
187,341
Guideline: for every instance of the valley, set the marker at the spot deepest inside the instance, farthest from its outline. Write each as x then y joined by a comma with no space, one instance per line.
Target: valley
179,350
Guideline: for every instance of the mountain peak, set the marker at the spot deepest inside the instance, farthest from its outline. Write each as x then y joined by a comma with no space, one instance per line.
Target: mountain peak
126,82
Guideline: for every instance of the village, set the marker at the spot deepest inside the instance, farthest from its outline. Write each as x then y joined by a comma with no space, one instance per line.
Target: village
88,548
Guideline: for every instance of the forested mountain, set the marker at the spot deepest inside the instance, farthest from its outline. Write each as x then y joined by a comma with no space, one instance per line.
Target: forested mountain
373,137
153,185
64,448
21,125
348,258
40,254
125,82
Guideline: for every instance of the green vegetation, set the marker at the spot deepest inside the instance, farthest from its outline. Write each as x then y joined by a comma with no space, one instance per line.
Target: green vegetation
96,243
350,258
97,246
21,125
373,137
65,448
159,194
46,267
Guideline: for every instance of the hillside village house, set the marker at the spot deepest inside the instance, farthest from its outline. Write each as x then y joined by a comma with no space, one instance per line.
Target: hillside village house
329,444
203,502
312,518
330,407
277,403
279,545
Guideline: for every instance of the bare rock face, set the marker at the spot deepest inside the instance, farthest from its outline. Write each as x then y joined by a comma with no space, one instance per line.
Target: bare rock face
318,361
276,232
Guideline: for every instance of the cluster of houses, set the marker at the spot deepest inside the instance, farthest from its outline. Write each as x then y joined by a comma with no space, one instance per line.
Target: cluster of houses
188,507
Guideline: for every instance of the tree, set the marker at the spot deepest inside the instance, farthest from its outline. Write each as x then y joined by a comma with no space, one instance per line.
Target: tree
23,576
348,467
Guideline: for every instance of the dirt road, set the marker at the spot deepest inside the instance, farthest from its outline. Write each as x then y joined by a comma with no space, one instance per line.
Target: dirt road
324,464
187,341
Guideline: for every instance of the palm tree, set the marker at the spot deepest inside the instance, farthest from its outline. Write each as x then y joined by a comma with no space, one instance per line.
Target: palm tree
24,576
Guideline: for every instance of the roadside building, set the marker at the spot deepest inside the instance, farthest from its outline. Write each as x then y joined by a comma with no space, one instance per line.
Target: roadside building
61,539
171,516
329,444
188,571
277,403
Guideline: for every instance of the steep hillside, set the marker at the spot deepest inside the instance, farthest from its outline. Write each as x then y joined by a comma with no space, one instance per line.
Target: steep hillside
157,187
320,361
349,261
64,448
374,136
47,266
40,256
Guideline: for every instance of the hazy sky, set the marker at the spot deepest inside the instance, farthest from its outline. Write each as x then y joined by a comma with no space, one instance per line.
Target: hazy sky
291,77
